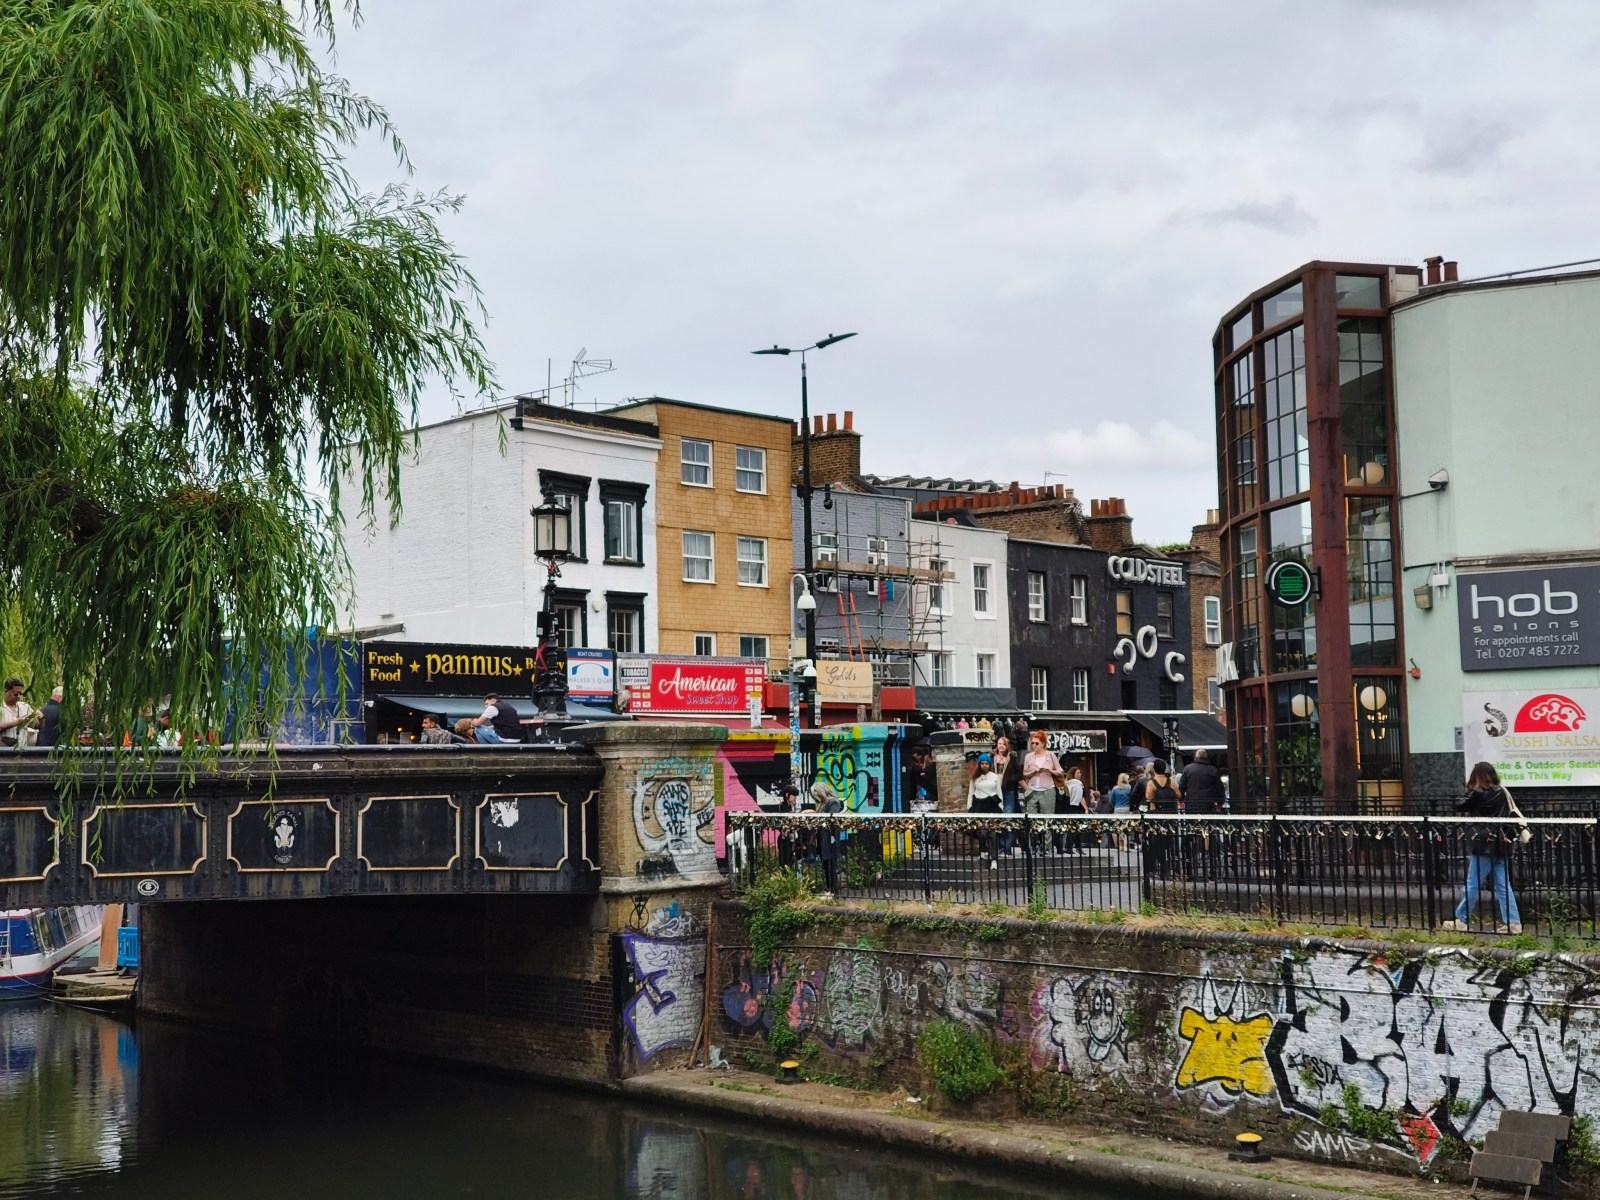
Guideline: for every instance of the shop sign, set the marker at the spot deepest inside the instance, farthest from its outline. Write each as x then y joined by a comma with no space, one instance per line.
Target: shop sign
591,674
1516,619
1547,738
1076,741
1144,570
841,682
666,685
445,669
1289,583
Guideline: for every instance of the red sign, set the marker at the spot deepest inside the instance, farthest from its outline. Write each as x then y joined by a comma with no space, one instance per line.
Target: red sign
1549,713
692,686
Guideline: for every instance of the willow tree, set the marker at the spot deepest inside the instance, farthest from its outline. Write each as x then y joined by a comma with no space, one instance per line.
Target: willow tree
206,329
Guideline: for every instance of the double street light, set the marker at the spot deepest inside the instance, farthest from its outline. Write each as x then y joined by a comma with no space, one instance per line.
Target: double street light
803,491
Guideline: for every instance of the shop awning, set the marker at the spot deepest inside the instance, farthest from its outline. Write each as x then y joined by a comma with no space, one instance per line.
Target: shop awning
1196,730
451,709
976,701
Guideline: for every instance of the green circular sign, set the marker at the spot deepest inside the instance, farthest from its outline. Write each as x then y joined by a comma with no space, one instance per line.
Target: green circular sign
1289,583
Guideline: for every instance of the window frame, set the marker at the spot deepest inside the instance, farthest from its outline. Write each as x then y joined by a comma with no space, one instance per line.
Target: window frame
983,667
1038,613
711,639
1124,615
630,604
764,639
740,560
941,669
631,497
709,558
986,611
1168,618
572,600
685,462
761,471
936,597
1080,689
1213,623
556,486
1079,599
877,550
1038,689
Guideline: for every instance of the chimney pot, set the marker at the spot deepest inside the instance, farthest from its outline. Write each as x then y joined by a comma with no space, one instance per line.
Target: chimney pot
849,419
1451,272
833,423
816,424
1433,264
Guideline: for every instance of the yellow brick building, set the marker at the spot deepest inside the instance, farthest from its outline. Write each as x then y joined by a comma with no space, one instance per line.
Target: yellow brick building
724,523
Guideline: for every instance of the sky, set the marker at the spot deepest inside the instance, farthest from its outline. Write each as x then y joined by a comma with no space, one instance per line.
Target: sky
1033,214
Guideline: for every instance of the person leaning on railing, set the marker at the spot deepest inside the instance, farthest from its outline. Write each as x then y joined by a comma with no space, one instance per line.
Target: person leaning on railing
1488,855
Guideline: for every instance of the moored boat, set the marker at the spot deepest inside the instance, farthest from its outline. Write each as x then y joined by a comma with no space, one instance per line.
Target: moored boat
35,941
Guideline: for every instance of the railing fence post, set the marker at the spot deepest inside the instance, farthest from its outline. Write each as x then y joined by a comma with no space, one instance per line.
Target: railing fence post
1430,863
927,860
1275,867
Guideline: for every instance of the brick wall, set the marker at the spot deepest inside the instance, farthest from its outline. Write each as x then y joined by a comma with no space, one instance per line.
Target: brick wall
835,450
1046,522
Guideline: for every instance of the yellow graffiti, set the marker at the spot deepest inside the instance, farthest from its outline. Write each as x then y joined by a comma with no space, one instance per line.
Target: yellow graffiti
1225,1051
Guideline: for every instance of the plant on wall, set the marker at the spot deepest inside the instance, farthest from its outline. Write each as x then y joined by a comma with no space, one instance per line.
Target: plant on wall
959,1060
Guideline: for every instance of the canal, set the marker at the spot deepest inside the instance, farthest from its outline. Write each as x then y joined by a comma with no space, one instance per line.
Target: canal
91,1106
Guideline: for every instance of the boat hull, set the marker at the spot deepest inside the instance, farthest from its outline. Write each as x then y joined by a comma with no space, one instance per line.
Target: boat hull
35,941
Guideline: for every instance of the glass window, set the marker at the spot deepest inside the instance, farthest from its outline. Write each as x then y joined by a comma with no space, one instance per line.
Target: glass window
1164,614
753,561
705,644
1124,599
1247,713
1364,403
1246,604
573,500
696,462
1288,443
1297,741
1370,560
1080,599
1241,428
698,552
877,552
624,629
1359,291
754,645
1167,696
1377,704
1241,330
942,670
1080,688
569,622
827,548
750,469
985,665
1213,607
1036,596
1294,630
1277,309
936,586
980,587
622,531
1213,695
1039,688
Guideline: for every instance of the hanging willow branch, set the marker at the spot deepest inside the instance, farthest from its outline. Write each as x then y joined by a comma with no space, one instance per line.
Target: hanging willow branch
203,323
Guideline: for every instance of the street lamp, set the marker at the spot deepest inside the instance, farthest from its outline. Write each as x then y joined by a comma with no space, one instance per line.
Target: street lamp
803,491
552,545
801,671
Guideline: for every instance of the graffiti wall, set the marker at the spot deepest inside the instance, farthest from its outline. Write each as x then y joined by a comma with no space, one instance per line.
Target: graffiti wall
1335,1052
667,963
674,803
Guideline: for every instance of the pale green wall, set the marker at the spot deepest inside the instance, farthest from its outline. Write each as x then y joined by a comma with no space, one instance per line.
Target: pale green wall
1501,387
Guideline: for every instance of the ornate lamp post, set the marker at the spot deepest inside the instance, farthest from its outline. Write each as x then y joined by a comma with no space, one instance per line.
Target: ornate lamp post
552,545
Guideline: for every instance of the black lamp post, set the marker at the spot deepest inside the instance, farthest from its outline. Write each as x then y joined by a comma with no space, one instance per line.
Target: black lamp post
804,492
552,545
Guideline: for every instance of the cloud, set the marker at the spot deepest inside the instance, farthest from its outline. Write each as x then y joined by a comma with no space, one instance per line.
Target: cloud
1283,215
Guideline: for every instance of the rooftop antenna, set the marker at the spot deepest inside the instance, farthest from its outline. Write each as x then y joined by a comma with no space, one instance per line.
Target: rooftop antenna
582,368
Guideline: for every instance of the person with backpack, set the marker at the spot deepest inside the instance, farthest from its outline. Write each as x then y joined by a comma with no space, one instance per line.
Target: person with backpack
1161,797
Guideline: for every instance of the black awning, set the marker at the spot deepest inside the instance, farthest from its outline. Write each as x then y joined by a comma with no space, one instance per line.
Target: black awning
982,702
1196,730
449,709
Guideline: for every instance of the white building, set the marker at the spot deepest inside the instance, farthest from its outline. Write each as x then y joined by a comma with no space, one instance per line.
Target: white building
969,643
459,566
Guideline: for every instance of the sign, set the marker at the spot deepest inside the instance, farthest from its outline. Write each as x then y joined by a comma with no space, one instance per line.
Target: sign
591,674
842,682
1549,738
1144,570
1515,619
1076,741
445,669
691,686
1289,583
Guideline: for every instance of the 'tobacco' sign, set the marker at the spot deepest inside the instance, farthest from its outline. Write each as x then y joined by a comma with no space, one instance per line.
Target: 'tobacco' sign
1519,619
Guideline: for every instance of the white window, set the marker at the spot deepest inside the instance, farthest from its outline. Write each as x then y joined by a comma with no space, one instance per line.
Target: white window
753,561
1036,598
1080,599
750,469
1214,695
753,645
1080,688
936,588
980,589
827,548
569,620
698,551
696,462
877,552
622,531
1039,688
985,664
943,670
624,630
1213,620
705,644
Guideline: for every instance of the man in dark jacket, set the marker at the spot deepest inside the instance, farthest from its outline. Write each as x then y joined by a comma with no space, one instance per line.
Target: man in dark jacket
498,723
1201,785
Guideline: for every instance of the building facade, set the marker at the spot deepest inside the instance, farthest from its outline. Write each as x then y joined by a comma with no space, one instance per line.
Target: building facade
967,616
723,520
460,567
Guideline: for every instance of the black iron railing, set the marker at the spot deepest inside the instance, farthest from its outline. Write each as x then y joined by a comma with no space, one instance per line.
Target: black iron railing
1360,872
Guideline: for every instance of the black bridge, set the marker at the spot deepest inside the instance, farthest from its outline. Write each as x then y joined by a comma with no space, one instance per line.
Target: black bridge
321,821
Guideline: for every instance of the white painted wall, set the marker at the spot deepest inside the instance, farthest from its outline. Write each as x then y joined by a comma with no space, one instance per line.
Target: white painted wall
965,633
459,566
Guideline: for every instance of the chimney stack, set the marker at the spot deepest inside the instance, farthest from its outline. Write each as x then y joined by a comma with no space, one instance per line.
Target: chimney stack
1110,526
1451,274
835,451
1433,264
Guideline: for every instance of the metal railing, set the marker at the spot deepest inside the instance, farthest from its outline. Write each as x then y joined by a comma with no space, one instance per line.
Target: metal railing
1357,872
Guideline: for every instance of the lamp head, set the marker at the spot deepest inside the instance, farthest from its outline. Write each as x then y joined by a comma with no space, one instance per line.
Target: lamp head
774,350
806,603
831,339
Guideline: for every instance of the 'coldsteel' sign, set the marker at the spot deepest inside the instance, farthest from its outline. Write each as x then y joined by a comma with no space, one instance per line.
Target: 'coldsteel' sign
1520,619
1143,570
443,669
692,686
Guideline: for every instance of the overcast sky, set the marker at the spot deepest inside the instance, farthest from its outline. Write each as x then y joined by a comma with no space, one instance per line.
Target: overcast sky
1033,213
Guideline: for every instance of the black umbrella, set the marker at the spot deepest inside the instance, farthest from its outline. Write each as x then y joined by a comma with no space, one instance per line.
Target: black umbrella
1135,752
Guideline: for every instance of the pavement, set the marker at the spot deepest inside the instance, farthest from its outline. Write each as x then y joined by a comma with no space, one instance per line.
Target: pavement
1062,1153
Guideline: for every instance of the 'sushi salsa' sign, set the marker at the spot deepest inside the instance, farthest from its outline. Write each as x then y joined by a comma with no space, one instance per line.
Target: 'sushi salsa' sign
692,686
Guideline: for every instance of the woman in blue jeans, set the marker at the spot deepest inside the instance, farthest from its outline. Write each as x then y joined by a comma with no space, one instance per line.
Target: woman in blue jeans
1488,859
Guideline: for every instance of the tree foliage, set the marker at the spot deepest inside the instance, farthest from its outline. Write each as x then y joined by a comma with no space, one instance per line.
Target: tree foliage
206,327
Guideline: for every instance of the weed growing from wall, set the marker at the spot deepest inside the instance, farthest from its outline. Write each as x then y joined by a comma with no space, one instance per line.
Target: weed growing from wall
959,1060
774,918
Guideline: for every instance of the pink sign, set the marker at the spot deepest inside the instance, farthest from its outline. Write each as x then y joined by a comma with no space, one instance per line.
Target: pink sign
693,686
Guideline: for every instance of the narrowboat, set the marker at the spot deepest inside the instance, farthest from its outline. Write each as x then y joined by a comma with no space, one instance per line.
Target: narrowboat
35,941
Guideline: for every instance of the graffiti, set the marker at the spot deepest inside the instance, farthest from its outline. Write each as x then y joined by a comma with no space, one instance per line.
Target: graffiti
1226,1056
744,1001
1080,1026
1333,1144
672,921
852,1000
674,806
837,757
671,974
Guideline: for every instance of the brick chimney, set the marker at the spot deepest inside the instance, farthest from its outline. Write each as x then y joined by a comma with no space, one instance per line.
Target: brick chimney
1110,526
835,449
1208,537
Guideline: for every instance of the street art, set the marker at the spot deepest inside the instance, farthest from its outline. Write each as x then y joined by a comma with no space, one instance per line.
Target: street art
1080,1026
673,921
671,975
852,1001
674,803
744,1001
849,759
1225,1060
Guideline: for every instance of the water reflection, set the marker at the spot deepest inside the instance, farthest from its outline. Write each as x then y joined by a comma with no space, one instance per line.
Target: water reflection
88,1108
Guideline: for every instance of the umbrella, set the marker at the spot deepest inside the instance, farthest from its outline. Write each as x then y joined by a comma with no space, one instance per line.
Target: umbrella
1135,752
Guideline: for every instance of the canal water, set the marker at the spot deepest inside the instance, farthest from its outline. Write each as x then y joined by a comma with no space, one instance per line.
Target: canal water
94,1107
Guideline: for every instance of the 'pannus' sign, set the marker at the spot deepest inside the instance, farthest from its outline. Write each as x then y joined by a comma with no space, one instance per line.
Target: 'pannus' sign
1516,619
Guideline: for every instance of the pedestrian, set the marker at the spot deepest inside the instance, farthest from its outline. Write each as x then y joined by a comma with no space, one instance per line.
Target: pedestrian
984,796
50,719
1041,772
1122,806
1161,798
1008,765
1488,855
1160,789
498,723
1072,838
1201,785
17,717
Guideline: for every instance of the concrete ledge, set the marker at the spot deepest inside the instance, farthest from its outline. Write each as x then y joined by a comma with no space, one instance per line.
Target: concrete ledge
977,1144
634,733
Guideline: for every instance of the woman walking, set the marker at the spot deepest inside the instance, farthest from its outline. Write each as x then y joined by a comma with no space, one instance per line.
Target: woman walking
1041,771
983,797
1073,838
1008,766
1488,856
1122,806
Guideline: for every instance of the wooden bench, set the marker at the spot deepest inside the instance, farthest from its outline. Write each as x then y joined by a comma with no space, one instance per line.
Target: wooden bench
1506,1168
1521,1149
1540,1124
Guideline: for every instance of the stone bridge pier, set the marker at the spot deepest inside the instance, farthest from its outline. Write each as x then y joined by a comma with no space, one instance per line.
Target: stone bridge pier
561,985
